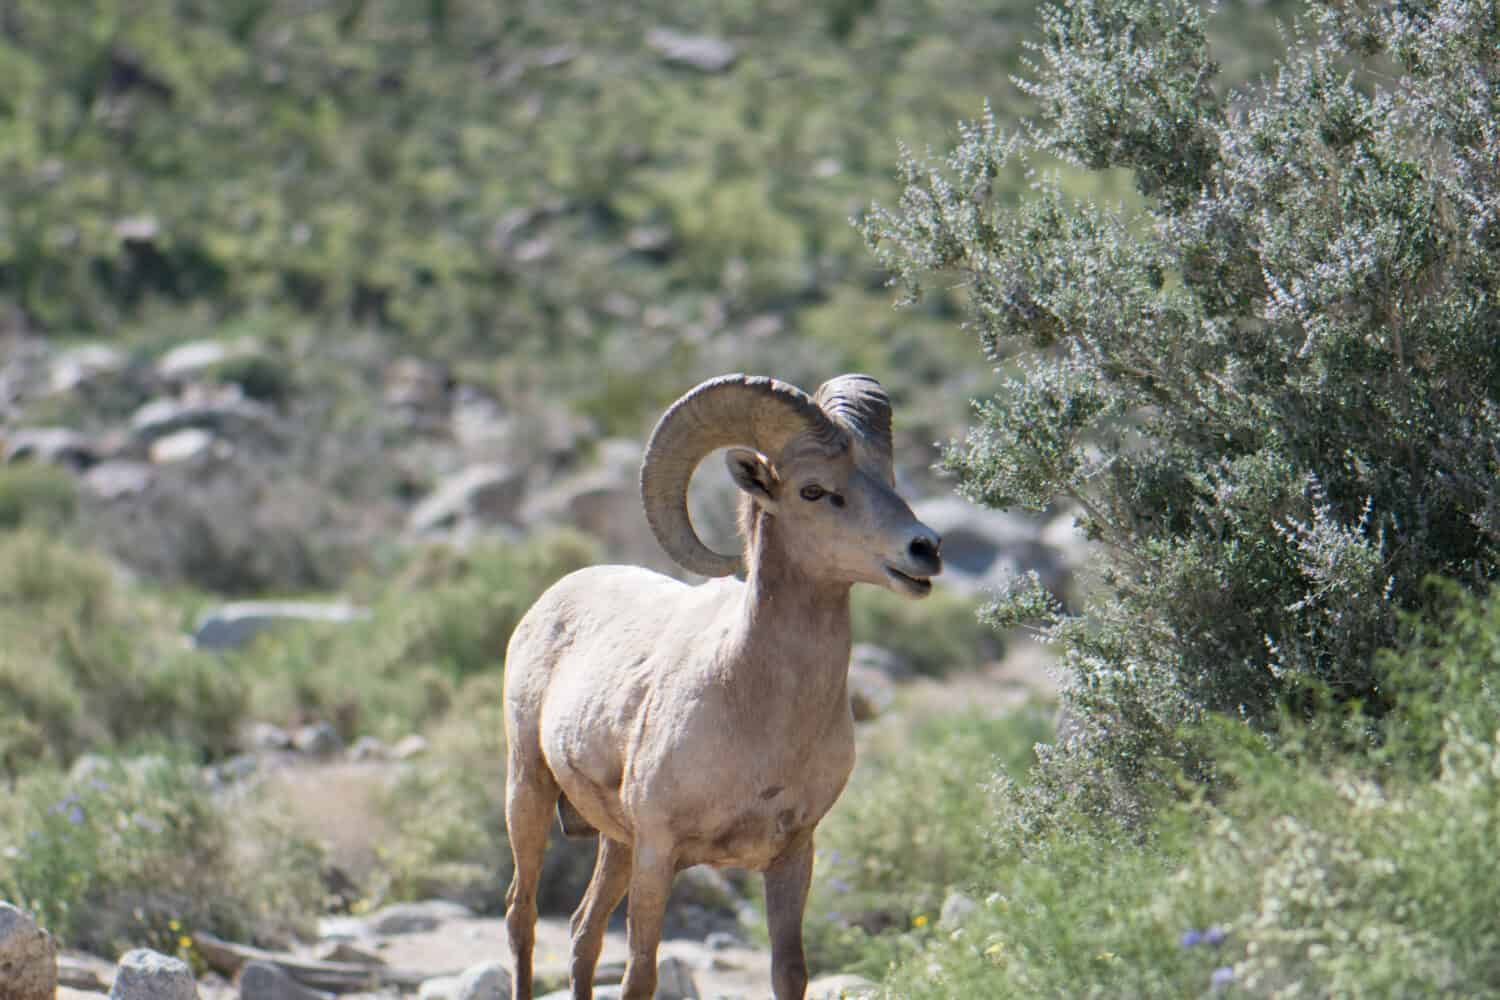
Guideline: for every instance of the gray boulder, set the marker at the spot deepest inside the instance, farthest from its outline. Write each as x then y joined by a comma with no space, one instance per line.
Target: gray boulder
700,52
82,366
486,981
181,446
28,957
188,361
53,445
267,981
223,412
674,980
144,974
118,478
234,625
485,493
983,549
415,918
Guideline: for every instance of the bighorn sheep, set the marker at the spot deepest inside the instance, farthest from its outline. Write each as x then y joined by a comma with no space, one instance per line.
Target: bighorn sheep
710,724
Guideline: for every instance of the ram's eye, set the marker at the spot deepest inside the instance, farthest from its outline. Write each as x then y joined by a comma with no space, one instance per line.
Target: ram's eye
812,492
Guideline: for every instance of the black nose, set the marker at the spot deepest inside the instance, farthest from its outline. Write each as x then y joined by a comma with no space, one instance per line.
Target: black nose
924,550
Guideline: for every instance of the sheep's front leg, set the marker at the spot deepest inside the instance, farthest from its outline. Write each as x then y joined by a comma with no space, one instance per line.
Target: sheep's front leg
787,882
650,884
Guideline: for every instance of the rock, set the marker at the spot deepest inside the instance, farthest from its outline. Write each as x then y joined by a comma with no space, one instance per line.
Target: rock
188,361
674,980
343,951
486,981
28,957
343,929
870,692
414,918
844,986
720,940
956,909
85,973
414,745
700,52
179,446
53,445
983,549
442,988
81,366
418,387
487,493
118,478
266,736
318,739
234,625
224,412
603,501
144,974
267,981
369,748
234,770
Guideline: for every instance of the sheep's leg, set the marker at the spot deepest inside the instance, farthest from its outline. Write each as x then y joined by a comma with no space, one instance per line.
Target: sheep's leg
530,797
606,889
787,882
650,884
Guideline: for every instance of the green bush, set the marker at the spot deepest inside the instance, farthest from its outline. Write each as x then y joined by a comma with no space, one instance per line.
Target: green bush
936,636
35,495
914,824
87,664
446,617
1272,391
138,854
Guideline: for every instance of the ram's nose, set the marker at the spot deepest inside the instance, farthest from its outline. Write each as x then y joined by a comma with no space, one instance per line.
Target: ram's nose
925,551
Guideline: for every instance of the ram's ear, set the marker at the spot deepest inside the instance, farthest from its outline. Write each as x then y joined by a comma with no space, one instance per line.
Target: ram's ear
752,473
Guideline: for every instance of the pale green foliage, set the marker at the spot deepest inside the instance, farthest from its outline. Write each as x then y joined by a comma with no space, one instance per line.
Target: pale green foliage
1273,390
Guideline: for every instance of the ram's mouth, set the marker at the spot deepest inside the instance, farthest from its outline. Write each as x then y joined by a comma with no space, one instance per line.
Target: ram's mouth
913,586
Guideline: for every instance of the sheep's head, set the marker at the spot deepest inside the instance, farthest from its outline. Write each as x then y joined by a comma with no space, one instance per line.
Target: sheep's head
820,465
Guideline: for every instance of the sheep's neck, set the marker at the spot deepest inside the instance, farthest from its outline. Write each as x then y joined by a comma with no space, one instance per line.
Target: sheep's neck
794,630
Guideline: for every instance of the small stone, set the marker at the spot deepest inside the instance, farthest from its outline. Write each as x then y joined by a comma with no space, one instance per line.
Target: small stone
268,981
700,52
318,739
440,988
231,626
487,493
76,368
721,940
369,748
53,445
343,951
674,980
265,736
117,478
414,918
486,981
408,747
28,957
144,974
180,446
956,909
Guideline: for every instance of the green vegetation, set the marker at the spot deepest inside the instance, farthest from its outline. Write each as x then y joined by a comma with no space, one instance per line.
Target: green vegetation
140,855
1270,390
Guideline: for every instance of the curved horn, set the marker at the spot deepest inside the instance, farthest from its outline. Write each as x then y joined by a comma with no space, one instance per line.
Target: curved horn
860,405
761,412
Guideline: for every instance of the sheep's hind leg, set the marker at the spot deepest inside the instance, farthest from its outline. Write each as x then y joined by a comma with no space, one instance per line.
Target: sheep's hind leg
611,878
787,882
650,884
530,797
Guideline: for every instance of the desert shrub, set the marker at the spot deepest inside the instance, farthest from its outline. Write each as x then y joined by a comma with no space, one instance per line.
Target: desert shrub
88,664
936,635
1272,391
445,617
137,853
914,824
36,495
1315,875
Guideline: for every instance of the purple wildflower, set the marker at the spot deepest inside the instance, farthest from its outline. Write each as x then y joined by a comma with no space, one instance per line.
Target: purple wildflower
1215,935
1190,937
1221,977
75,814
838,885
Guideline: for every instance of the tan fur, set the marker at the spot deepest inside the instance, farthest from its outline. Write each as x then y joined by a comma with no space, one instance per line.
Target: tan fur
701,725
